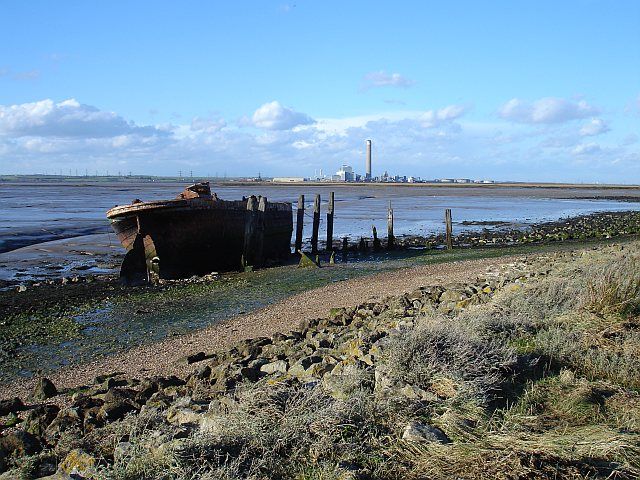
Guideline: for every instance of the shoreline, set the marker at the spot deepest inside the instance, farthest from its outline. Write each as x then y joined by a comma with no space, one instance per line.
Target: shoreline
90,179
161,358
416,269
101,254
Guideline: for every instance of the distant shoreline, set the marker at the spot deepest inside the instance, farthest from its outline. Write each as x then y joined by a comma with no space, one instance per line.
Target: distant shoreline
91,179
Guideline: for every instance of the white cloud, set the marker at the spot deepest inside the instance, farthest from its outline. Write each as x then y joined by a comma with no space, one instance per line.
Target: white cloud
424,119
384,79
435,118
545,110
395,102
28,75
68,118
200,124
595,127
434,143
586,149
274,116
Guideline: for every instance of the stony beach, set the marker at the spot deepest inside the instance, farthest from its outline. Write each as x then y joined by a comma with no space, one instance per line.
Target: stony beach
430,362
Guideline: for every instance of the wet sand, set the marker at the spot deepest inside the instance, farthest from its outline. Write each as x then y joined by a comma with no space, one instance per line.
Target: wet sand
97,254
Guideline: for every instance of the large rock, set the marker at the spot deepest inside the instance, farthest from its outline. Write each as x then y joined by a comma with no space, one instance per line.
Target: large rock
38,419
17,444
44,389
110,412
279,366
420,432
193,358
78,463
10,405
303,368
342,380
67,420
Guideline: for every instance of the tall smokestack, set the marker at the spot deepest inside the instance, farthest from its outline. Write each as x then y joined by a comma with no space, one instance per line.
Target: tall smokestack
368,175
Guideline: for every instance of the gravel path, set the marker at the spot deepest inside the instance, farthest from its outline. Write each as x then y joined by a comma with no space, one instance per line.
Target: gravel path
161,358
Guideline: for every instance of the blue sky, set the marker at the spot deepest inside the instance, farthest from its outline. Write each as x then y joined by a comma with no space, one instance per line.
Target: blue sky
515,90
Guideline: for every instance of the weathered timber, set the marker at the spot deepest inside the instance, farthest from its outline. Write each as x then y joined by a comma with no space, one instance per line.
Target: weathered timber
259,232
299,223
330,210
250,226
345,248
376,241
449,229
390,237
316,224
194,234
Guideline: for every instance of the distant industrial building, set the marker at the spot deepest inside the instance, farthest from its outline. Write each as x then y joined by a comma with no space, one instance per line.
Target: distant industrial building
288,179
345,174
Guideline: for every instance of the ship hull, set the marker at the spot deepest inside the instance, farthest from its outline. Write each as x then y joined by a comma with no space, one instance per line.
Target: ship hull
198,236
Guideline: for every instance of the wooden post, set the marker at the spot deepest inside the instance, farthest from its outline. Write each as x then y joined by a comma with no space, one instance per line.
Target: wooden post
249,228
329,246
299,223
390,237
345,248
376,241
316,225
447,220
259,232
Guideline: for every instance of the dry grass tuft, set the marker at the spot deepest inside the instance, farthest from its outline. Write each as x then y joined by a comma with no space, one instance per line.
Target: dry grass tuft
444,357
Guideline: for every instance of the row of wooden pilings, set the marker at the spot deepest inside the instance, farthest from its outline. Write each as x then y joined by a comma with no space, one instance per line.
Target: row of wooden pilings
330,215
254,229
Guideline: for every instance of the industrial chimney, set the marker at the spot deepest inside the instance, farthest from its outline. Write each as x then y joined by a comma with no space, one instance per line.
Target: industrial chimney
368,175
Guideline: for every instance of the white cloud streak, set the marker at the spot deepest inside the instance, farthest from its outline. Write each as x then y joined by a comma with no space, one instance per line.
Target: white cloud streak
384,79
595,127
548,110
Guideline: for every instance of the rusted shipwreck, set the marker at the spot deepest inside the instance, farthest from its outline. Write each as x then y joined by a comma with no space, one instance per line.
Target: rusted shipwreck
197,233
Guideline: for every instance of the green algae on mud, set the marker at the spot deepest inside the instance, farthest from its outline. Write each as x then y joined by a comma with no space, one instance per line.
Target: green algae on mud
120,319
19,332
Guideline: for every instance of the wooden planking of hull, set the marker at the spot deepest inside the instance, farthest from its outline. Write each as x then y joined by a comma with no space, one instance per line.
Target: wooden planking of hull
196,233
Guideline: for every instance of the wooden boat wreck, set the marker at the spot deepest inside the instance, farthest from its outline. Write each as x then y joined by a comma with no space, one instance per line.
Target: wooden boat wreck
197,233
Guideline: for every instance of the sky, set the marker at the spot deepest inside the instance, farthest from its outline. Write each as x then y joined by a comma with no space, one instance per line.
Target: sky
504,90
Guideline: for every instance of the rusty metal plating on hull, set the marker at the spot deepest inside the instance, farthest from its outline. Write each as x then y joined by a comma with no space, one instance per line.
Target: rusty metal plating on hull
197,233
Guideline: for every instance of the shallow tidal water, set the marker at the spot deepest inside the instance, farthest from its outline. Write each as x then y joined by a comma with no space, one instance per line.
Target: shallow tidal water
33,213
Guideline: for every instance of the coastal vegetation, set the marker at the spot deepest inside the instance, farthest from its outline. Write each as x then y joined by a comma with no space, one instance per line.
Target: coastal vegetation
528,371
38,316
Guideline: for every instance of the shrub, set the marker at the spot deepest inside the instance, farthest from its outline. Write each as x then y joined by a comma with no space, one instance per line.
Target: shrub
443,349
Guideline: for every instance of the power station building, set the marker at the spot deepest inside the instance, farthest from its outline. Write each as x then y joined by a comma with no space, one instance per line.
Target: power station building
345,174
